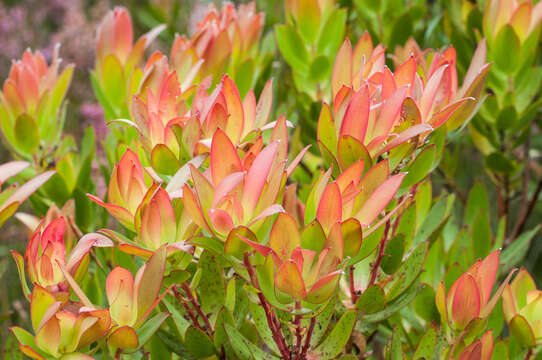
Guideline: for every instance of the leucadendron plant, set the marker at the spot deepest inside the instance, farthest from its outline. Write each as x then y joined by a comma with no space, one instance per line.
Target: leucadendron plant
217,231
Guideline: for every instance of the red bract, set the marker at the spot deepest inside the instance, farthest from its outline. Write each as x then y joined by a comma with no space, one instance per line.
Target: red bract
355,196
230,32
469,296
126,189
32,84
60,330
45,255
239,191
480,349
117,75
305,266
132,300
375,109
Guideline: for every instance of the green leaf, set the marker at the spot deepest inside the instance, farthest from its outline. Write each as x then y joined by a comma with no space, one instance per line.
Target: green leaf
320,69
244,77
401,31
322,321
513,254
408,271
113,81
244,348
211,286
437,217
395,351
198,343
426,344
292,48
150,326
481,235
178,319
350,151
393,254
27,136
424,305
507,118
260,322
164,161
477,201
308,19
394,306
499,163
522,331
337,338
372,300
418,169
506,50
332,34
220,336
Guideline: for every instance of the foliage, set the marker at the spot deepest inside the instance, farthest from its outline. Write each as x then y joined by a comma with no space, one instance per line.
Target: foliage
260,218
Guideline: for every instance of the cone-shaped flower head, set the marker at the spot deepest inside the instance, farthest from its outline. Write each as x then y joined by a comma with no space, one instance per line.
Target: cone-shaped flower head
60,331
30,102
238,191
305,266
354,197
481,349
469,296
221,34
46,253
126,189
522,309
375,109
117,58
32,83
523,16
131,300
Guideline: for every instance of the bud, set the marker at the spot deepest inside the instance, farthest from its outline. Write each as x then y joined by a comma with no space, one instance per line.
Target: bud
522,309
469,296
126,190
31,101
60,330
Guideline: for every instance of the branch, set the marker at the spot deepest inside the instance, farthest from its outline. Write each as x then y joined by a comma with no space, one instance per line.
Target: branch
380,255
269,313
308,337
521,224
189,311
196,306
450,183
353,292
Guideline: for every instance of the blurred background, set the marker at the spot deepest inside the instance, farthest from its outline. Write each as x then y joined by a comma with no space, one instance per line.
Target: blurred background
40,24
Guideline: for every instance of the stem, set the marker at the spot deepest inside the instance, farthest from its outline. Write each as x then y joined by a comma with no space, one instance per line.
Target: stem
453,186
196,306
272,321
303,354
380,255
524,189
353,293
528,211
298,335
118,353
529,354
189,311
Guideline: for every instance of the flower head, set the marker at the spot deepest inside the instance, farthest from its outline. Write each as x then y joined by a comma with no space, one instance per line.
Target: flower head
522,309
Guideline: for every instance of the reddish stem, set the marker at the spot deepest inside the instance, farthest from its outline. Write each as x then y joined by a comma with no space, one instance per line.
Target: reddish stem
272,320
308,337
189,311
298,335
196,306
353,293
380,255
